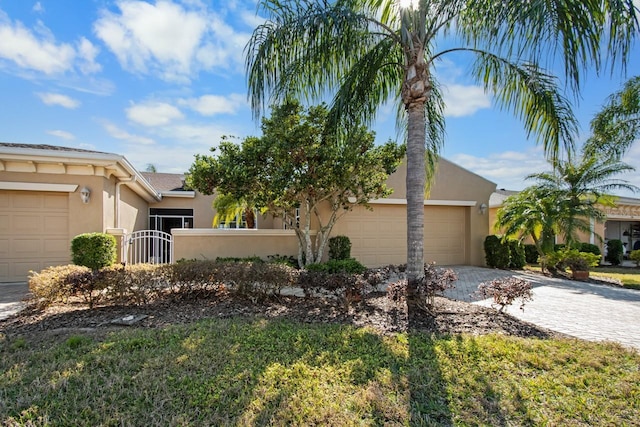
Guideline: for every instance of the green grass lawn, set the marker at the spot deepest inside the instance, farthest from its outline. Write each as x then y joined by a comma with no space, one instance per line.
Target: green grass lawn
257,372
629,277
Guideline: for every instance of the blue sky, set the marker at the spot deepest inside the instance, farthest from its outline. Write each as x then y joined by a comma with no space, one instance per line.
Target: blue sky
159,81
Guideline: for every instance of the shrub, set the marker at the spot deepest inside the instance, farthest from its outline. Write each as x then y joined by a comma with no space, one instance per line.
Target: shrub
496,253
289,260
589,248
349,266
615,252
436,281
339,248
94,250
254,258
571,258
517,258
531,254
505,291
635,256
52,285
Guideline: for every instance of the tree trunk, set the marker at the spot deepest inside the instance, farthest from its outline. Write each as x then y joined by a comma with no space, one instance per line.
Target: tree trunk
415,181
416,89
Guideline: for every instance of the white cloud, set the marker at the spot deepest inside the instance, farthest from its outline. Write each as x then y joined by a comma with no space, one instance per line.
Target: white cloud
121,134
507,169
171,40
58,99
210,105
461,100
87,53
38,8
37,49
62,134
24,48
153,113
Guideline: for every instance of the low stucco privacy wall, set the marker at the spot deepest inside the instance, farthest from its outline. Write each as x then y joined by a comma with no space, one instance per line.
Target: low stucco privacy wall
198,243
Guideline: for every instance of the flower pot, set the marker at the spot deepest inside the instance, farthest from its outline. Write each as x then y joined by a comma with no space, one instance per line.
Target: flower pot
580,274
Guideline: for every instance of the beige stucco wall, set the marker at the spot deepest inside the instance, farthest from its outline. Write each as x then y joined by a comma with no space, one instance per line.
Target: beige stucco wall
213,243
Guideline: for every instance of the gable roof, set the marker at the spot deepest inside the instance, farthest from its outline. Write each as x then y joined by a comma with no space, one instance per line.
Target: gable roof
165,181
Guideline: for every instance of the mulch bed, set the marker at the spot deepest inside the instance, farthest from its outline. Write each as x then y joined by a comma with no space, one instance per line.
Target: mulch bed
377,311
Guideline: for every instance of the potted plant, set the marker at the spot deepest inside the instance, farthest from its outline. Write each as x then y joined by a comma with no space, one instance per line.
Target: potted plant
579,263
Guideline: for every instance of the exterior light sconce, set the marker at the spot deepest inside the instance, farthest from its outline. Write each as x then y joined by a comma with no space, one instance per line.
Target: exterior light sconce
85,195
482,209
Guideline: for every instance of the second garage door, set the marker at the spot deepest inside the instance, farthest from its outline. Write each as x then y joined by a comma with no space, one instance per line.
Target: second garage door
378,237
34,232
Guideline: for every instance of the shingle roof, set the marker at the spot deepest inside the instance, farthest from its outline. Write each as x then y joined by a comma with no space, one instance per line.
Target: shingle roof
165,181
48,147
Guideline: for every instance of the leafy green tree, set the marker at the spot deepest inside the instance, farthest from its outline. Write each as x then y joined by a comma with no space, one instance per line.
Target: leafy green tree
367,52
300,162
617,125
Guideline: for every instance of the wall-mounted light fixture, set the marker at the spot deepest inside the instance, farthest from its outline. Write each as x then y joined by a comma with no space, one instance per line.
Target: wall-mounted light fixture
482,208
85,194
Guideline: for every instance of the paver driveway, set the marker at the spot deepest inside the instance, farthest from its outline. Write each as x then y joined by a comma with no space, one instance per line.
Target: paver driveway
583,310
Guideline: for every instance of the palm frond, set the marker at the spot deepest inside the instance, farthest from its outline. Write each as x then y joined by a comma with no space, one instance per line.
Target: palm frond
533,96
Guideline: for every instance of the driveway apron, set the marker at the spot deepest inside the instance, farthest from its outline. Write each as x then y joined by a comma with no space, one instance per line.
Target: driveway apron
583,310
11,298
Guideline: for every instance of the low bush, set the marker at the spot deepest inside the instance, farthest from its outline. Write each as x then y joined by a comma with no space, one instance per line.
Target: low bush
339,248
436,281
289,260
348,266
572,259
52,284
531,254
589,248
517,258
94,250
496,253
505,291
615,252
254,258
635,256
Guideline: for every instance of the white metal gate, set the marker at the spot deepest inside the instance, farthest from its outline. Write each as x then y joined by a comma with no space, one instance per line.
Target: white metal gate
149,246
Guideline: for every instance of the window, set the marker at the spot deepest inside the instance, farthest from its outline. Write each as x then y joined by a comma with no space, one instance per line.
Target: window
241,222
166,219
296,220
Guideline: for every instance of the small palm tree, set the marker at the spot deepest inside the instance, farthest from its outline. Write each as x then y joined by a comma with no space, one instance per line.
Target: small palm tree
564,201
367,52
229,209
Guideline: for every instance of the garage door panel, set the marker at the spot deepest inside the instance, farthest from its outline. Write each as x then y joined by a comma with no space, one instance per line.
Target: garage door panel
53,202
378,237
56,245
56,224
33,232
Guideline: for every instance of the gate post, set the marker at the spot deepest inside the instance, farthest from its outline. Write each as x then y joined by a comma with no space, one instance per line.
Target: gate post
121,236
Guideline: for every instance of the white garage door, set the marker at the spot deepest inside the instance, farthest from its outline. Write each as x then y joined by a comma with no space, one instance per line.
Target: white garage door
34,232
379,237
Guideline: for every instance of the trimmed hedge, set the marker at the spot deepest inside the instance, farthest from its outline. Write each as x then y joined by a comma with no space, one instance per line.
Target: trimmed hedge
615,252
531,254
339,248
349,266
94,250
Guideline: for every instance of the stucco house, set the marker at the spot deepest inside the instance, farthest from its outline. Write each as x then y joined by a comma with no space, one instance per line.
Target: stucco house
623,221
50,194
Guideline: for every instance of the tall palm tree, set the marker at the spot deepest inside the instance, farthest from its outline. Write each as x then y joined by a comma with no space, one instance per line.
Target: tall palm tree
369,51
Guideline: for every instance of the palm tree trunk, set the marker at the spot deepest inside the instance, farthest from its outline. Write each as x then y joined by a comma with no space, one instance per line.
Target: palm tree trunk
415,181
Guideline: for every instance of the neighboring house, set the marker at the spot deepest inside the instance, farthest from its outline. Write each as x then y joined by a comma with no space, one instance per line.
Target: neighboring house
623,222
50,194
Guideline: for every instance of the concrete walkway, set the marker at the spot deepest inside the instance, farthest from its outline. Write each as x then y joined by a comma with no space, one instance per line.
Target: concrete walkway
583,310
11,298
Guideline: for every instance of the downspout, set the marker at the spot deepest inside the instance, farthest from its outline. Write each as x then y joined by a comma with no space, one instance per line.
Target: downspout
117,200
